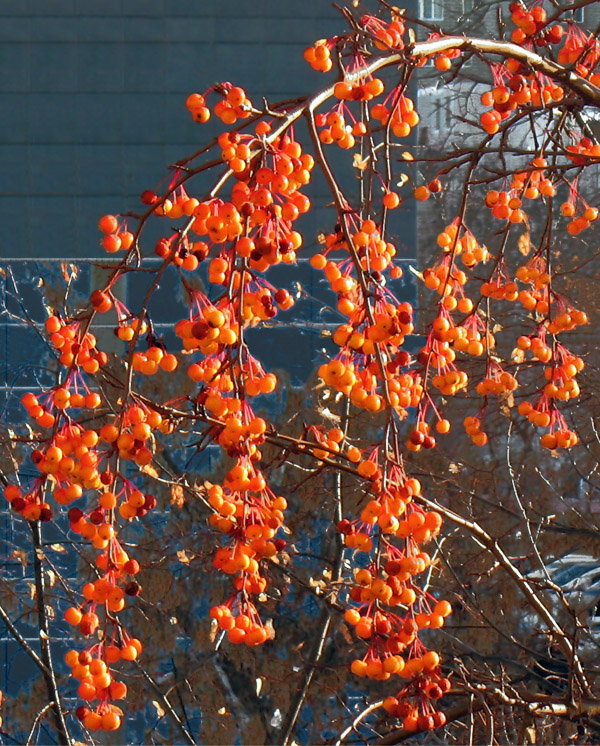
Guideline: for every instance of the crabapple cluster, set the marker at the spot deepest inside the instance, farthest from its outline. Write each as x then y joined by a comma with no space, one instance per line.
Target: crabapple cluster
73,462
389,582
99,434
582,50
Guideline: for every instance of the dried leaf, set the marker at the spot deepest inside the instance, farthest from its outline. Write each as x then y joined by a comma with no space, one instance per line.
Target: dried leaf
32,590
402,179
406,156
453,468
270,629
50,577
214,630
259,683
346,634
159,710
21,556
149,469
531,734
517,355
360,163
177,496
524,243
325,412
183,557
222,711
57,548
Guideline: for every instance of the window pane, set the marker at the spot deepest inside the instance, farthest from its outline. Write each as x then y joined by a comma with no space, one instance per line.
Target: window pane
432,10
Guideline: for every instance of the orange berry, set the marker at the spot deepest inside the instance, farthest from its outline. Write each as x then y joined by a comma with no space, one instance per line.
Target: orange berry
108,224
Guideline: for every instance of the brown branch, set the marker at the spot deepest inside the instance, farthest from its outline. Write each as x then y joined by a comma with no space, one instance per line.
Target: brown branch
44,629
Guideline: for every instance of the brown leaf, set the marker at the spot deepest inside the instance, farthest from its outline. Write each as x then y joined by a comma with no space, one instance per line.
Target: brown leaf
177,496
214,630
21,556
51,577
270,629
159,710
524,243
360,163
183,557
346,634
149,469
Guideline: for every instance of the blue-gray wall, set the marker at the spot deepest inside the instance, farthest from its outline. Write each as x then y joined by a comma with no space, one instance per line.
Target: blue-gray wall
92,96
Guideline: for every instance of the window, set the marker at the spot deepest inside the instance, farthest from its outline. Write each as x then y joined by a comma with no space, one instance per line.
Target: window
432,10
578,15
438,117
468,6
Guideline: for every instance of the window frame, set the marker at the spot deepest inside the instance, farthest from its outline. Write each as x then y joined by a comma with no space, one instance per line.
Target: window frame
437,10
